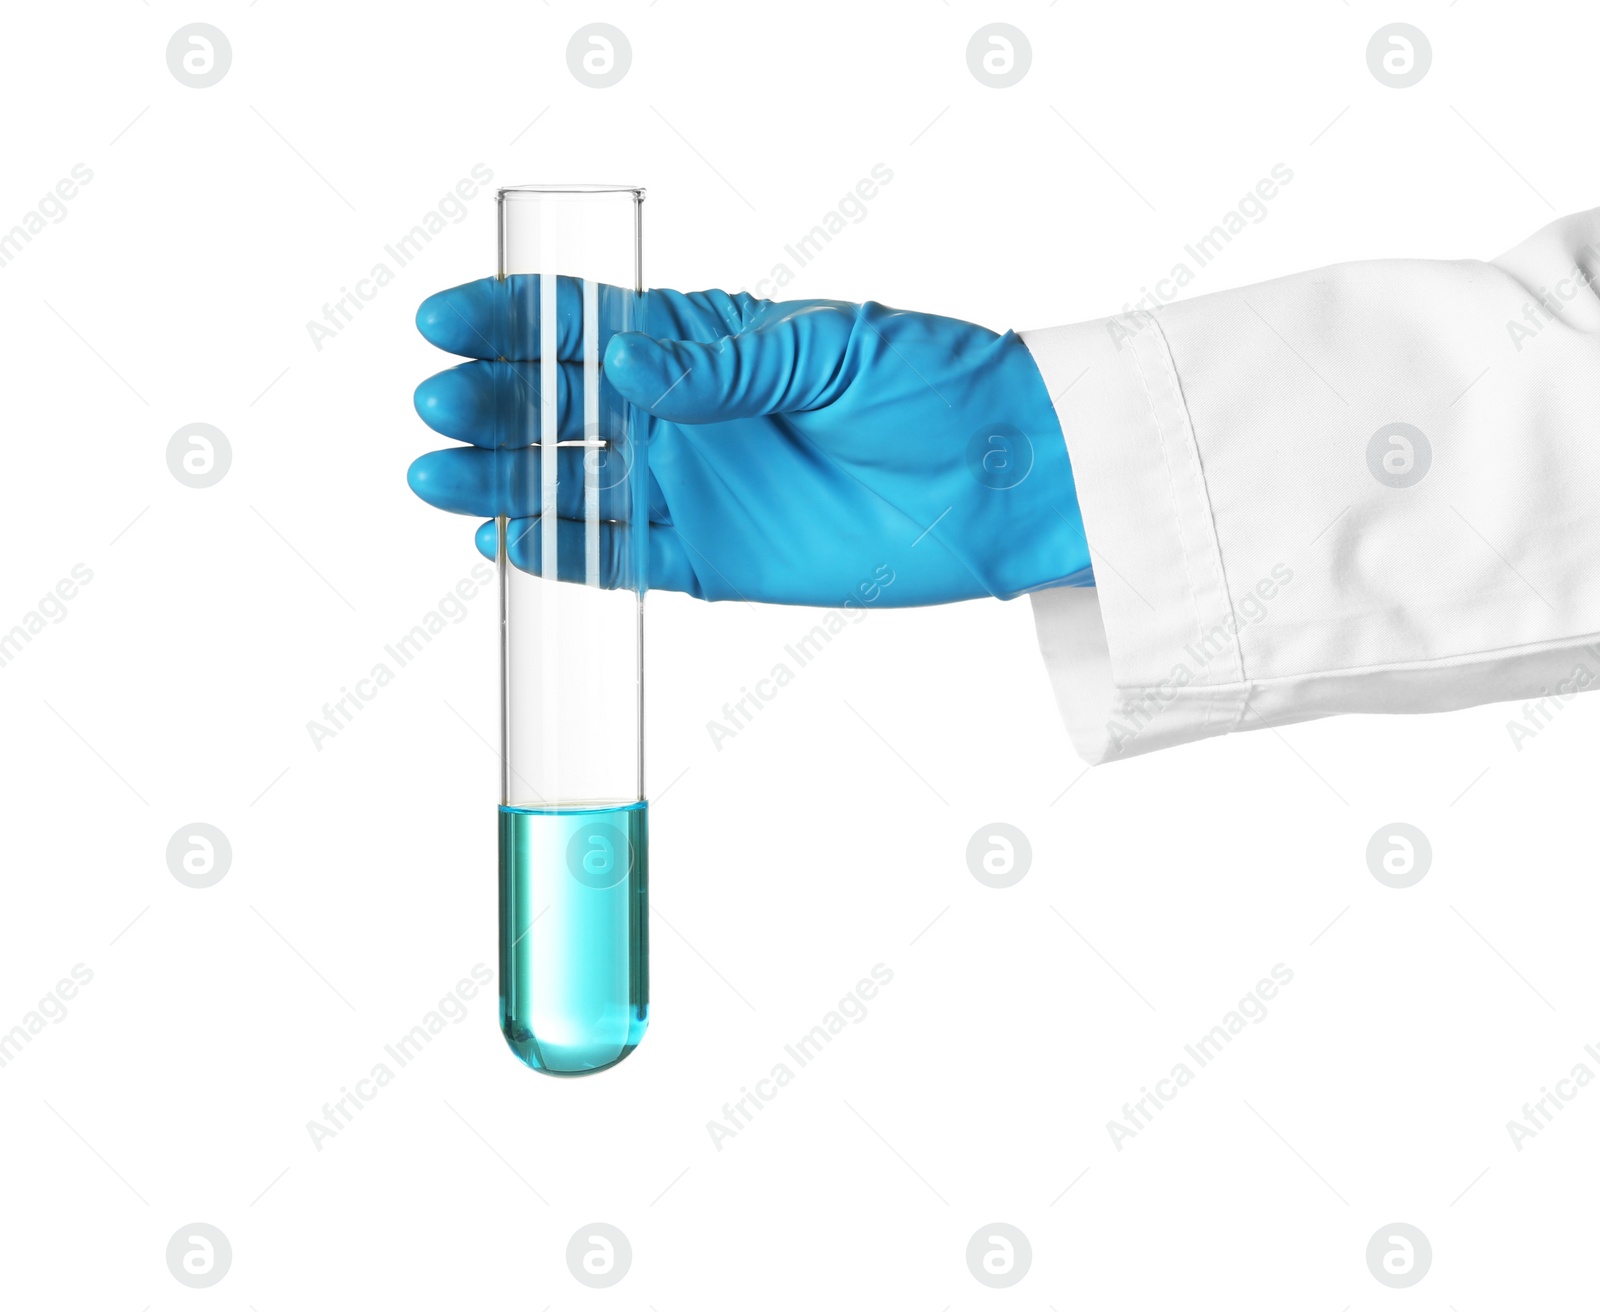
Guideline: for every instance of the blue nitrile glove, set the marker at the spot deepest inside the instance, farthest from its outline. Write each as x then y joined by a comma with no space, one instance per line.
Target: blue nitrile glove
806,452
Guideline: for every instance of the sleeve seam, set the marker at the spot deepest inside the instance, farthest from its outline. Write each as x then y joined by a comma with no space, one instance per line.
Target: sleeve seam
1185,434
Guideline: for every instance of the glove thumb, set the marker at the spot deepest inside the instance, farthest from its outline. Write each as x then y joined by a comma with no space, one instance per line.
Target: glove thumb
792,364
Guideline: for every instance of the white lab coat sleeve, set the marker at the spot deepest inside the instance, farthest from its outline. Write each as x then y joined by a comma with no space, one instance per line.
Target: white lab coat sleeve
1269,545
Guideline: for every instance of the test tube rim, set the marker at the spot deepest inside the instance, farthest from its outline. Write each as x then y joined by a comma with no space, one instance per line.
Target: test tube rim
567,189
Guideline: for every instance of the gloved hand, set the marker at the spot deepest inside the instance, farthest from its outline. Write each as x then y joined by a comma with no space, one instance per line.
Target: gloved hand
799,451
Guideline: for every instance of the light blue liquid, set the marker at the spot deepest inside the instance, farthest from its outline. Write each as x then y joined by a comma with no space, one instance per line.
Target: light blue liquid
574,935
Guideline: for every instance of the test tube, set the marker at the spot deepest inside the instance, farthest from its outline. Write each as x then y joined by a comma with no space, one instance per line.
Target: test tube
574,932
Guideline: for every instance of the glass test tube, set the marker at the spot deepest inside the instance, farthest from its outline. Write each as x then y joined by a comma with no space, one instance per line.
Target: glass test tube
574,945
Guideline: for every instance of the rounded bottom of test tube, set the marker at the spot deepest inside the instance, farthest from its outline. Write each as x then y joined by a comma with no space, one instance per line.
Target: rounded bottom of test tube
550,1059
574,941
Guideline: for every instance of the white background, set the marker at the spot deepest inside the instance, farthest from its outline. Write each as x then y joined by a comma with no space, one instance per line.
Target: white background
828,836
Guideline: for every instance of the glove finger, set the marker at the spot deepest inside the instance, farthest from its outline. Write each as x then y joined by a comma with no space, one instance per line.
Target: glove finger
500,318
792,363
469,481
497,403
669,567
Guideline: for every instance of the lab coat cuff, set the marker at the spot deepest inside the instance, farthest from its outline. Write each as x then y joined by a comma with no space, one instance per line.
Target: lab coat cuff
1149,657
